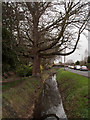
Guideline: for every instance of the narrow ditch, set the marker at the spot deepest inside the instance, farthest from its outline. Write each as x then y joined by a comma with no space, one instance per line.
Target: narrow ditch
50,101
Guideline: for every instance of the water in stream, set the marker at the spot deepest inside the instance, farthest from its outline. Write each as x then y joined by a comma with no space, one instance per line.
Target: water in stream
50,101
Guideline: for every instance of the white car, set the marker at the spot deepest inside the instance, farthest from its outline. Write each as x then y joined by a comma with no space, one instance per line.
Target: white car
77,67
72,67
84,68
69,66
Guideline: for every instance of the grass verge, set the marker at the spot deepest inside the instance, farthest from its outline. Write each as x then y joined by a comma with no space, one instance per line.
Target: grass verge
8,85
19,97
74,92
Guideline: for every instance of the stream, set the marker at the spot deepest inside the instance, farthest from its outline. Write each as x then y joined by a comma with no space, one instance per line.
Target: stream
50,101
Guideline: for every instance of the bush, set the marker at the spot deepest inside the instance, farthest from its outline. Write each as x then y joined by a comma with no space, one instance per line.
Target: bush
20,71
9,57
29,71
24,71
77,63
5,67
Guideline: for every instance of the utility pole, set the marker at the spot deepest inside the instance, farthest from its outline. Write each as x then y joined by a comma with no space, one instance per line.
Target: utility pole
64,62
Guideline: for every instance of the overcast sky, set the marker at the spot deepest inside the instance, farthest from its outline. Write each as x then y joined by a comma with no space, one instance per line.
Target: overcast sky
79,53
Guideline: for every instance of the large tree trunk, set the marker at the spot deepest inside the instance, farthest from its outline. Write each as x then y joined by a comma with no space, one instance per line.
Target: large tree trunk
36,60
36,65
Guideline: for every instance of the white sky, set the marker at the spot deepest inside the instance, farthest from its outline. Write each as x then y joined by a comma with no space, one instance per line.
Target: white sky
79,53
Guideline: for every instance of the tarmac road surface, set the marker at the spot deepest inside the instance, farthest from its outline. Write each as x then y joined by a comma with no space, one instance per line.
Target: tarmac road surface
83,73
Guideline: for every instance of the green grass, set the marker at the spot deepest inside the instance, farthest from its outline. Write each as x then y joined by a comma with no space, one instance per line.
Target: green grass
74,92
20,98
12,84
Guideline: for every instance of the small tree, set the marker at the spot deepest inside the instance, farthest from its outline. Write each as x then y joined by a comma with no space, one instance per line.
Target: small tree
77,63
70,62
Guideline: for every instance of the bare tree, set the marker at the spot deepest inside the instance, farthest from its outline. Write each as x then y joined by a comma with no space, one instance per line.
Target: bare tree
70,62
48,28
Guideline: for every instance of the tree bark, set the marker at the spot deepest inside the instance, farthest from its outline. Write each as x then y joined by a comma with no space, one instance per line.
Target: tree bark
36,65
36,60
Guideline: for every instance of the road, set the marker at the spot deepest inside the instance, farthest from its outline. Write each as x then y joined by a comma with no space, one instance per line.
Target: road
83,73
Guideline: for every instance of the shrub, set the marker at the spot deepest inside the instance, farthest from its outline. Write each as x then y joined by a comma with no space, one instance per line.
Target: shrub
29,71
24,71
5,67
20,71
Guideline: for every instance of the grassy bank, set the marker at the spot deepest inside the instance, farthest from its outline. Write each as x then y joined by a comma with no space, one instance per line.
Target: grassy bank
74,92
19,98
7,85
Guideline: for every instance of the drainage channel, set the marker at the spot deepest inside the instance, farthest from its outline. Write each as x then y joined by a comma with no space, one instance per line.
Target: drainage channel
50,102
